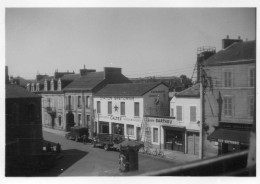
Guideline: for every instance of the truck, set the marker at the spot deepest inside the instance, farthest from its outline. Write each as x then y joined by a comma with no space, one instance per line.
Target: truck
108,141
77,133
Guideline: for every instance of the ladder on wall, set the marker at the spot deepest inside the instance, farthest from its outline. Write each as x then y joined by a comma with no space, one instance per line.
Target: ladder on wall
146,132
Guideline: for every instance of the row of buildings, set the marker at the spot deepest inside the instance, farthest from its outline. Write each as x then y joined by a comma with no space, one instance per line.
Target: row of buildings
108,102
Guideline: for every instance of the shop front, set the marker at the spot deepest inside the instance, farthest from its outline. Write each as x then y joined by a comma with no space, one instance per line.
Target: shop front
103,127
231,137
118,128
174,138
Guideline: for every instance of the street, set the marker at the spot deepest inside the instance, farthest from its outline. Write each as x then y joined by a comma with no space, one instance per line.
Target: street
84,160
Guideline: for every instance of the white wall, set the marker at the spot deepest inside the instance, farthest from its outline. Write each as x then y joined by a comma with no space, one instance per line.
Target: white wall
186,103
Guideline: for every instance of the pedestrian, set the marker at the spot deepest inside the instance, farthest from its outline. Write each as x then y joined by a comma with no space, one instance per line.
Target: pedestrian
84,139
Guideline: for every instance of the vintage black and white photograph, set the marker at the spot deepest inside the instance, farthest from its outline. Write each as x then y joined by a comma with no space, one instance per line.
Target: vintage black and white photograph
130,91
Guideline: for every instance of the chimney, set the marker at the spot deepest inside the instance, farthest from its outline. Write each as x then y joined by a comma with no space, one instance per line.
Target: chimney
111,70
86,71
227,42
6,75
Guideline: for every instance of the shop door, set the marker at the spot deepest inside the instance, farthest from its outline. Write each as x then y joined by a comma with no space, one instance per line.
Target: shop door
103,128
174,140
118,128
193,143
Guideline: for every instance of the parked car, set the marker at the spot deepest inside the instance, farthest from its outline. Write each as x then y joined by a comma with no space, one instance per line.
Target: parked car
108,141
77,133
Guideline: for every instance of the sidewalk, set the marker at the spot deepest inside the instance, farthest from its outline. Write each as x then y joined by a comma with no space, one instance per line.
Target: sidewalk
54,131
180,156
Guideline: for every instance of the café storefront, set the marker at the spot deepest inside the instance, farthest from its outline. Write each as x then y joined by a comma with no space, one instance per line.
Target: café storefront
231,137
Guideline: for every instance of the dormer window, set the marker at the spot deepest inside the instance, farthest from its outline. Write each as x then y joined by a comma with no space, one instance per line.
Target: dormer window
32,87
45,85
28,86
59,85
37,87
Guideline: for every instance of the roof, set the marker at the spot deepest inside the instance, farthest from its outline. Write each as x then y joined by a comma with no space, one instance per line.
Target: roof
193,91
235,136
127,89
70,76
238,51
15,91
41,81
86,82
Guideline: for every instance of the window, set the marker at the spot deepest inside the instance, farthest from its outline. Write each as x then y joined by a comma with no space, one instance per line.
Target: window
228,106
79,119
88,119
252,77
172,112
79,101
122,108
31,112
109,107
130,130
155,135
59,120
179,113
193,113
251,108
136,109
87,101
98,107
227,78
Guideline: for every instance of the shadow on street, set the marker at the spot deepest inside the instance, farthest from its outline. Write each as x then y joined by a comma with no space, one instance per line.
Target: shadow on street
67,159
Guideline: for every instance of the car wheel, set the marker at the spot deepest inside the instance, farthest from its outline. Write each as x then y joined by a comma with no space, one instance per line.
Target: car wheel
106,147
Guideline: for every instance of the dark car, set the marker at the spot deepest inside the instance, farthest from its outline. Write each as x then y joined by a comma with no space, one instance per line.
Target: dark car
77,133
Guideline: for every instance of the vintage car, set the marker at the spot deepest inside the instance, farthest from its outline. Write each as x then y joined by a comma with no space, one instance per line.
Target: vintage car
77,134
108,141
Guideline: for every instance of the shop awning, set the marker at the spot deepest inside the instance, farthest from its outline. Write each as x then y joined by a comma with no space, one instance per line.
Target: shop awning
179,128
230,136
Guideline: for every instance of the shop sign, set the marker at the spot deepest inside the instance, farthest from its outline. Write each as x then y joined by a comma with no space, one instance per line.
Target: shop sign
115,118
159,120
103,117
228,141
131,119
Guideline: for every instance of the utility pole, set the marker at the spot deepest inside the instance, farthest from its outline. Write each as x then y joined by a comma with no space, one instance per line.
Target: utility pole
201,110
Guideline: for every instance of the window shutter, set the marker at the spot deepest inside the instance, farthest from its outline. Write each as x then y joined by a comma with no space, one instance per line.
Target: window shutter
179,113
193,113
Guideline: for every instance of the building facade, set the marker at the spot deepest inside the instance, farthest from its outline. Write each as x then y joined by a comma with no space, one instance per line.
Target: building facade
230,97
78,96
23,126
120,108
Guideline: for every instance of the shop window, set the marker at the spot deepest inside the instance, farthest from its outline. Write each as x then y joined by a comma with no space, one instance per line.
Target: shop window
122,108
155,135
251,106
228,106
252,77
87,102
179,113
193,113
130,130
109,107
227,78
136,109
98,107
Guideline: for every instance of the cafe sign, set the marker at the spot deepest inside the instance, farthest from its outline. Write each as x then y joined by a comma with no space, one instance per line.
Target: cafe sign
159,120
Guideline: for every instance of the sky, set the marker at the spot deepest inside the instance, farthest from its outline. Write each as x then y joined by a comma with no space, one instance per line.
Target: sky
141,41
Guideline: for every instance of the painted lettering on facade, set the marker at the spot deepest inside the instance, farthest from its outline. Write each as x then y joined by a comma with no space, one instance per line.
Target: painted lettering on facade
117,98
228,141
159,120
